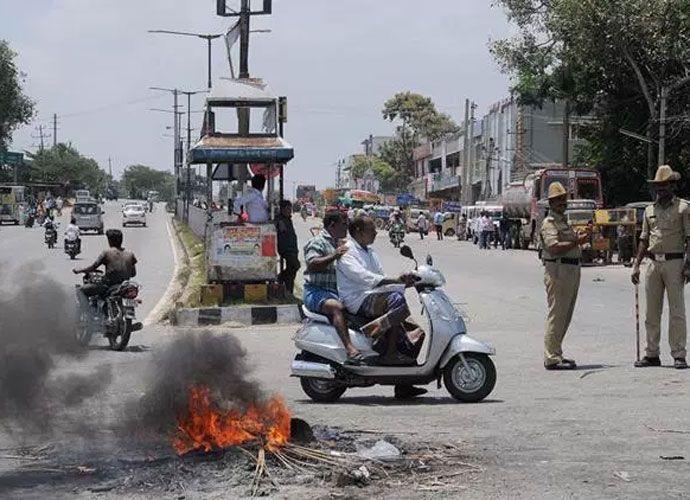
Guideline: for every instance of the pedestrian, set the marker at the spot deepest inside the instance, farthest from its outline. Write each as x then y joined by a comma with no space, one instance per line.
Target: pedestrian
58,205
561,256
664,239
287,247
625,242
504,231
486,226
438,225
422,225
462,227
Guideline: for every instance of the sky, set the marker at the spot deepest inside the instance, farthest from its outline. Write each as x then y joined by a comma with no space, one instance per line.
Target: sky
92,63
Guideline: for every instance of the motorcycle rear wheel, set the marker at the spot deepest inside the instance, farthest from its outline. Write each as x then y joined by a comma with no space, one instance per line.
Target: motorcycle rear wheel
121,344
83,333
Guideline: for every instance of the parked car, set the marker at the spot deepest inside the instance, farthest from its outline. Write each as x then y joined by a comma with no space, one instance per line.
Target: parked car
133,213
89,216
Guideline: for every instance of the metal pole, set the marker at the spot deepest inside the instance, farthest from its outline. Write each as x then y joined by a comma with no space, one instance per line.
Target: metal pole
209,63
189,146
244,39
662,126
176,140
566,134
465,157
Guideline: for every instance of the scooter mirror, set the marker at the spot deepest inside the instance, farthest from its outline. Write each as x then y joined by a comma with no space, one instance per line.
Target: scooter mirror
406,251
429,260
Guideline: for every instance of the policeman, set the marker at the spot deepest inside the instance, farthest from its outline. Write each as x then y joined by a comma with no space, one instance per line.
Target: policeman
561,256
664,239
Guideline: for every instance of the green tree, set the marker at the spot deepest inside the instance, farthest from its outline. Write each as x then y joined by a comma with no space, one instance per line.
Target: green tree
381,169
63,164
611,60
15,107
138,179
417,119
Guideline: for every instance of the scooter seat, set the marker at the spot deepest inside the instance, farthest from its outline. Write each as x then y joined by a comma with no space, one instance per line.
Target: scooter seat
314,316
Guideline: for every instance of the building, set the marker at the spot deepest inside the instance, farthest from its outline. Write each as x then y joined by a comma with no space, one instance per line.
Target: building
371,146
507,143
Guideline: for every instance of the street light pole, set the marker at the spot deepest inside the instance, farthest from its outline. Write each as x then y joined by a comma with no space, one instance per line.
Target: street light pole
204,36
188,183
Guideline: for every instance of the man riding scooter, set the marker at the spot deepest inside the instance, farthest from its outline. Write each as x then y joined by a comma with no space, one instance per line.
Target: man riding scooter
396,232
360,281
72,234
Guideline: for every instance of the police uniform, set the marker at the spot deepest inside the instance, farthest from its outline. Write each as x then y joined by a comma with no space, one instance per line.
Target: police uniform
666,230
562,280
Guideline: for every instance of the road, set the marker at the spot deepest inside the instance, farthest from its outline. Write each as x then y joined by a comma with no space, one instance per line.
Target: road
582,434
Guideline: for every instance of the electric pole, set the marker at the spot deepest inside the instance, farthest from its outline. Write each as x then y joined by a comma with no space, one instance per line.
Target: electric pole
54,129
465,156
41,137
566,133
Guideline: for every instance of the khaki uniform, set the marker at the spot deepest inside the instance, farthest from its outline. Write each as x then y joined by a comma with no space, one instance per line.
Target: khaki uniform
562,282
666,230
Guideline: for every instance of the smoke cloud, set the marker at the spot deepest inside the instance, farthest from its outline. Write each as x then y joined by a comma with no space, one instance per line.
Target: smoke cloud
37,333
215,361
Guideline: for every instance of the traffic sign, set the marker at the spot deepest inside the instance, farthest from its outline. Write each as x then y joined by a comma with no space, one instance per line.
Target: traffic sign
11,158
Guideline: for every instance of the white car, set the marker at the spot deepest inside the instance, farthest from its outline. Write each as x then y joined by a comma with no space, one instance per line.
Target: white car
133,213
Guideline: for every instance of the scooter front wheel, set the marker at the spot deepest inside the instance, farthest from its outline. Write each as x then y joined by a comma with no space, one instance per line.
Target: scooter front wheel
472,380
322,391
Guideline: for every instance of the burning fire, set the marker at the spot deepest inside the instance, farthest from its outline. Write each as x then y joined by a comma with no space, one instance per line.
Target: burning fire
205,426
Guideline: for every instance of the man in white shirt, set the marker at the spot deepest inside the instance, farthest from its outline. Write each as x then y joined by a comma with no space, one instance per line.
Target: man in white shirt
252,202
438,225
359,274
72,233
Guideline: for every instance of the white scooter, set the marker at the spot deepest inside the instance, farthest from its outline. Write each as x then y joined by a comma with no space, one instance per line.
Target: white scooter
464,363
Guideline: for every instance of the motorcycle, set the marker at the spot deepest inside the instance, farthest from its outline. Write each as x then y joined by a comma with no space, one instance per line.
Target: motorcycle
72,248
111,314
462,362
397,234
51,236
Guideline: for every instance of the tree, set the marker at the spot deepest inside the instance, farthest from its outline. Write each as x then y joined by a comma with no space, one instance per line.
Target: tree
382,170
418,119
63,164
612,60
15,107
138,179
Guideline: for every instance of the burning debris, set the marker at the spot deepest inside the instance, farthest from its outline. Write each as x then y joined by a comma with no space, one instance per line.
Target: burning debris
204,426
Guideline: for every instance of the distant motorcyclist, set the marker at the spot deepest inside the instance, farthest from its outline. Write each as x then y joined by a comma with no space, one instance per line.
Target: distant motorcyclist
120,265
72,233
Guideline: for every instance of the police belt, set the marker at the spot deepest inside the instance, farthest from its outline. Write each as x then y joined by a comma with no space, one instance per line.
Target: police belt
661,257
565,260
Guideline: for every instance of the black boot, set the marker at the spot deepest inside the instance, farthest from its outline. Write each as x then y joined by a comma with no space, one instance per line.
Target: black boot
647,362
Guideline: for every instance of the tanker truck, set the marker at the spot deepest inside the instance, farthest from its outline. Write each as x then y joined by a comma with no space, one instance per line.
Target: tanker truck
525,202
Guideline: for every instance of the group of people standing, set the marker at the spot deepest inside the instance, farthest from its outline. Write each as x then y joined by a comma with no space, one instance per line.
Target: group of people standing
664,242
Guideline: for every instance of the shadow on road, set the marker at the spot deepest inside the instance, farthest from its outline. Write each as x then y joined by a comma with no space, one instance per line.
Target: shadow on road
391,401
131,348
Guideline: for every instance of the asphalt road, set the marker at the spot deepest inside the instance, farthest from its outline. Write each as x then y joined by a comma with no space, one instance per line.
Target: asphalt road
582,434
20,246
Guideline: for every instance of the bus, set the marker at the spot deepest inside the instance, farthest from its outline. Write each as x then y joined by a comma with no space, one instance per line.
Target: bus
11,203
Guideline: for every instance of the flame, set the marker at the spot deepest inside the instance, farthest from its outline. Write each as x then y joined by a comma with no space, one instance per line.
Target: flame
205,426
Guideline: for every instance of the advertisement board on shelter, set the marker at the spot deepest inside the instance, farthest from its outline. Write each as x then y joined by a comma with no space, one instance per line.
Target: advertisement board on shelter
243,253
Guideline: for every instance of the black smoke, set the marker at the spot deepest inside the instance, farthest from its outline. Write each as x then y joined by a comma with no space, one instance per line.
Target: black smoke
38,391
218,362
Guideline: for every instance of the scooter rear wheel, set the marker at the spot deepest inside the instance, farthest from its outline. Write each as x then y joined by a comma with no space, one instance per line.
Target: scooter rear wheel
473,385
322,391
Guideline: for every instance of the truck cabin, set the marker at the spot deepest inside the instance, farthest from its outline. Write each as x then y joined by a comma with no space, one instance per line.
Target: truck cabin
581,184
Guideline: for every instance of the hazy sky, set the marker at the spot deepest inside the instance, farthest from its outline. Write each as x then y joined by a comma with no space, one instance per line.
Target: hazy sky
92,61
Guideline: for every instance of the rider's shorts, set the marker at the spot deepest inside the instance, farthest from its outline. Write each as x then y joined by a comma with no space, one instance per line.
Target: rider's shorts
314,297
